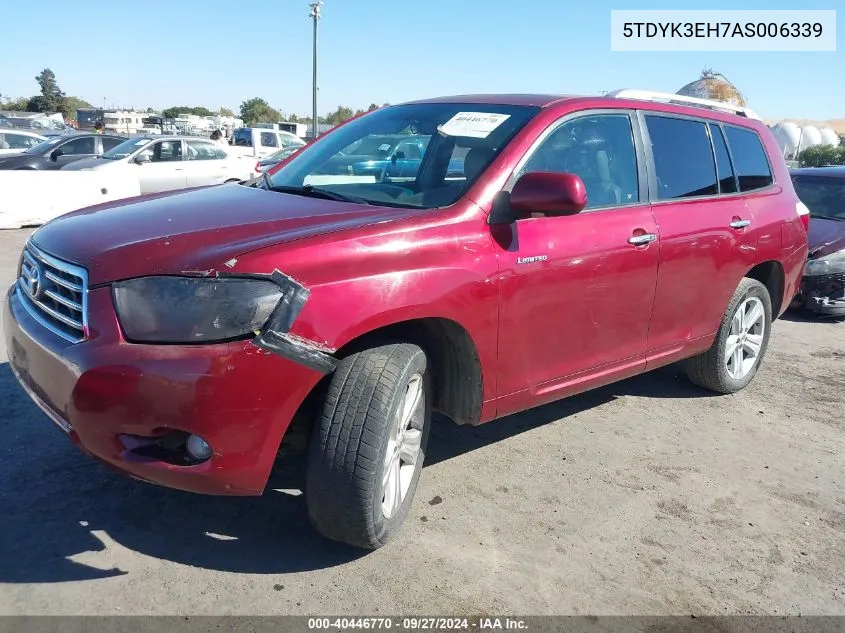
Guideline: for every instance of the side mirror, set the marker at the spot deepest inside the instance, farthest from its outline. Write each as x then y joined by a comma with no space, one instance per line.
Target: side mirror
553,194
54,155
142,158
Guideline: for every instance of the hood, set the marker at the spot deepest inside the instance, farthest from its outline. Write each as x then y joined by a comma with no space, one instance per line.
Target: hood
194,230
18,158
825,236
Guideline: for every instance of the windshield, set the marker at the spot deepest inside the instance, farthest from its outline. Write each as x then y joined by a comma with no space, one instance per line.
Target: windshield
824,197
126,148
417,155
44,146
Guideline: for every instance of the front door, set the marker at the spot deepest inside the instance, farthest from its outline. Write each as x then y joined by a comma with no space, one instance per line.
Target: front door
166,170
76,149
577,291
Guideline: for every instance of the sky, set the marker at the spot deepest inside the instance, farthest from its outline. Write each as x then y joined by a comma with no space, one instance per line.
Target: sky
211,53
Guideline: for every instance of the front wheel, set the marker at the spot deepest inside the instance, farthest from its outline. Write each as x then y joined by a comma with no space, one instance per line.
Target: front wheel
367,448
741,342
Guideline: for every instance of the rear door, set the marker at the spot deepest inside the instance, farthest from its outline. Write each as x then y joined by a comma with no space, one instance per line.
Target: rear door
268,142
707,233
206,164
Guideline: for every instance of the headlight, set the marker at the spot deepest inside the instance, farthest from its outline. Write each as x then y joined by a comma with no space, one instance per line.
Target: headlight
193,309
827,265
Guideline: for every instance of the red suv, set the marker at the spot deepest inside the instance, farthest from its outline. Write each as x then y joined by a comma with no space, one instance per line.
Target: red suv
543,246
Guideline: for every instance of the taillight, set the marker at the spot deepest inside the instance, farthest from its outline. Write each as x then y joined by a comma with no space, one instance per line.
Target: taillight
257,168
804,214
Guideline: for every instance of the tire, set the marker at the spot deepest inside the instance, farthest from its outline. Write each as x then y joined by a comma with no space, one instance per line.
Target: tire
713,369
347,459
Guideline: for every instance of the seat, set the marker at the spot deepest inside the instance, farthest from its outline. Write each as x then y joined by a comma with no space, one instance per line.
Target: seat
593,166
476,160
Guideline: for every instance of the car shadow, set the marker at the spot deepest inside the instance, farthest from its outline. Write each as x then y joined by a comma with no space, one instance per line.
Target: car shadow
449,440
805,316
61,508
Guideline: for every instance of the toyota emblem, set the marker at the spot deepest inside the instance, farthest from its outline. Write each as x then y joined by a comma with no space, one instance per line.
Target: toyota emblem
33,281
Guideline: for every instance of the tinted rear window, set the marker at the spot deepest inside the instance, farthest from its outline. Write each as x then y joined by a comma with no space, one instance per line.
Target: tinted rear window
750,161
243,138
683,158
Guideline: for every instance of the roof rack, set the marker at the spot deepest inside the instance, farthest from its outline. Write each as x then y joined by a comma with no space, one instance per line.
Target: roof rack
650,95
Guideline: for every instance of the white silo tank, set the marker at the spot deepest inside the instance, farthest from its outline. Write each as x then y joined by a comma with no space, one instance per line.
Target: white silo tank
829,137
787,135
810,137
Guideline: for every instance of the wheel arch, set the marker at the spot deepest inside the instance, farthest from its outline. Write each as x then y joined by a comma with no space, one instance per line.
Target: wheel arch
771,274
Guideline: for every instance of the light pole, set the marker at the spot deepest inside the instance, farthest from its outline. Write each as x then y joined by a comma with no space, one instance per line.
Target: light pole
316,8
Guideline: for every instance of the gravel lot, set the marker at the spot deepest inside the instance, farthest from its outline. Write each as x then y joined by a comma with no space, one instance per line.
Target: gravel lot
646,497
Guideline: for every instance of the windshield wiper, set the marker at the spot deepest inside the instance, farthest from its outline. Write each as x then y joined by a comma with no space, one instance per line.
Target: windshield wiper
312,192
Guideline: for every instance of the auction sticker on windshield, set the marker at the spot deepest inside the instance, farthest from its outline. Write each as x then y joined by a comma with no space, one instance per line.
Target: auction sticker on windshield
473,124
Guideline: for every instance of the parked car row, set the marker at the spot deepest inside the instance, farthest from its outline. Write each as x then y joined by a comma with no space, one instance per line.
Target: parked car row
166,163
58,151
584,241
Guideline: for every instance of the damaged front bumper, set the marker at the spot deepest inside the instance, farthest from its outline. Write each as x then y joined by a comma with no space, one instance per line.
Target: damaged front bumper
823,294
115,398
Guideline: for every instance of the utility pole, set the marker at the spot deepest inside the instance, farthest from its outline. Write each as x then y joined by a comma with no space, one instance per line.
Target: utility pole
316,9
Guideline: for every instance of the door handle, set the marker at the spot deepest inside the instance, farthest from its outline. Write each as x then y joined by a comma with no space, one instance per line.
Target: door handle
640,240
740,224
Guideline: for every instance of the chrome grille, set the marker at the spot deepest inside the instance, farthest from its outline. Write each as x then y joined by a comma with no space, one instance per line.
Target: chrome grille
54,293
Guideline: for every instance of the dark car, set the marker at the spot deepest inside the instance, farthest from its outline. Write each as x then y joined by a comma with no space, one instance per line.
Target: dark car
58,151
822,190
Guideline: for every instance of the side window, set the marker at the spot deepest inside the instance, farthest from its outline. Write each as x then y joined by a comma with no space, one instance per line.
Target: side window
268,139
750,162
198,150
19,141
724,169
683,158
600,149
410,150
78,146
109,143
167,151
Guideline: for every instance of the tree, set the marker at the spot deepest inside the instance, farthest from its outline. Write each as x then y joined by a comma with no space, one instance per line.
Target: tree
15,105
72,104
174,111
226,112
339,116
372,106
257,110
820,155
51,99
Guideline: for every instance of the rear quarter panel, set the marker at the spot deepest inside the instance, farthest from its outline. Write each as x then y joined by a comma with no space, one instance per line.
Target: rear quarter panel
781,236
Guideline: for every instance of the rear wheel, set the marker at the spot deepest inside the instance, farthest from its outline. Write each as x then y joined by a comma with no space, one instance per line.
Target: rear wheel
367,449
743,337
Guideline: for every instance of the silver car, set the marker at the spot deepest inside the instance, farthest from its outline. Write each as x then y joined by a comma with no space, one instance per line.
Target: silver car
165,163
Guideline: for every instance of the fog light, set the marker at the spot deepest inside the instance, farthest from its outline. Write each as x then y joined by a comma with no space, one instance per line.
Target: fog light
198,448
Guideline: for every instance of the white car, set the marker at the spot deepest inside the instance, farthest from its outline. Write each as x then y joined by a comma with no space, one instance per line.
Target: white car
13,141
259,142
165,163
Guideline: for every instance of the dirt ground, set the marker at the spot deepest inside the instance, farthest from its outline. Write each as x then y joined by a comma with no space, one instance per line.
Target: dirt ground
646,497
